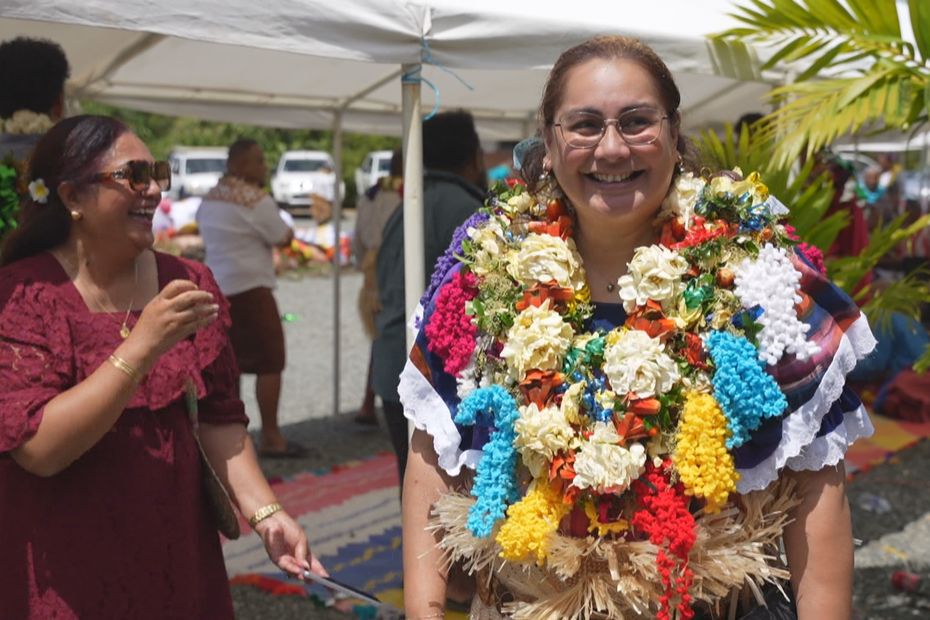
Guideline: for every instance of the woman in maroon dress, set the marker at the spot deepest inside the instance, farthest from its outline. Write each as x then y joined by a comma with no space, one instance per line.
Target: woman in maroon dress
102,511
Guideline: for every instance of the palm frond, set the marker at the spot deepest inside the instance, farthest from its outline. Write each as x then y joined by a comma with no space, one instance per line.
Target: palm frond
903,296
847,272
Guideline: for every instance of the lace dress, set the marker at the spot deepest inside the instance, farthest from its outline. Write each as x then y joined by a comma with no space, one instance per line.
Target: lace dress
124,531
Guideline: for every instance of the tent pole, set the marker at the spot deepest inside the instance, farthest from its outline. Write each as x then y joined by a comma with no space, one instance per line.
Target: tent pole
337,256
414,274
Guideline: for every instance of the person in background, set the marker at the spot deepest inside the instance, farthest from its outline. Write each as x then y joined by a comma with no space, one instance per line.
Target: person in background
374,208
107,348
33,73
875,197
240,225
32,86
453,189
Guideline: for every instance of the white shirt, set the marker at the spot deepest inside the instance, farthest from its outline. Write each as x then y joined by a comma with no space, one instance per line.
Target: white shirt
238,242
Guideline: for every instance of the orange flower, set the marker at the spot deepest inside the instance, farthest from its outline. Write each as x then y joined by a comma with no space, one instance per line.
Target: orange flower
561,474
540,292
694,350
539,386
651,319
631,427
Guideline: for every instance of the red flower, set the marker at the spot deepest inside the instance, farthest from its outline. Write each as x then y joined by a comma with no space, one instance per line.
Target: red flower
694,350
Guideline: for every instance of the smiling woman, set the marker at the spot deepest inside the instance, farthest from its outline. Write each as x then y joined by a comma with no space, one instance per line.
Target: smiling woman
647,378
109,352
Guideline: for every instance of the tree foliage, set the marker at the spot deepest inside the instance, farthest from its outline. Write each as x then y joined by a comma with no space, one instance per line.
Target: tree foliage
876,78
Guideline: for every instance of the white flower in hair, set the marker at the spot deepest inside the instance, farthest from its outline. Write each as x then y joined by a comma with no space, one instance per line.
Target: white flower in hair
38,191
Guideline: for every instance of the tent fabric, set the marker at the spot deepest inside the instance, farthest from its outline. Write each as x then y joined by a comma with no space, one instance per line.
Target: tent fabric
293,63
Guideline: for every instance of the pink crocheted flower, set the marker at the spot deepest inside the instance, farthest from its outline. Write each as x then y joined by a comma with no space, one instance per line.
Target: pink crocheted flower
814,255
450,332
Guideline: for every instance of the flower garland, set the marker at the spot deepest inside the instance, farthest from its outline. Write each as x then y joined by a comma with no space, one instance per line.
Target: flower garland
27,122
623,434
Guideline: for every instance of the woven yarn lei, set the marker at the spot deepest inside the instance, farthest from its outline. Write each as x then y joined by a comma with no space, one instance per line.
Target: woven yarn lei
628,432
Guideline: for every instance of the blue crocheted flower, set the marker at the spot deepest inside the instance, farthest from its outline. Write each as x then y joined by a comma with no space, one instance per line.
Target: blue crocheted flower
746,393
496,479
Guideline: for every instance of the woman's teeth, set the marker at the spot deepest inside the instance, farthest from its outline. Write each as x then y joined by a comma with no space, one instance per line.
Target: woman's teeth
612,178
145,212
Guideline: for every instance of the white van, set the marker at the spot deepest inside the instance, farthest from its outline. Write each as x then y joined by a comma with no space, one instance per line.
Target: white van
302,173
195,170
376,164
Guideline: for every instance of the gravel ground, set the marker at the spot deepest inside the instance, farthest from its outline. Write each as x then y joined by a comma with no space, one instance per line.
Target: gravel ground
898,539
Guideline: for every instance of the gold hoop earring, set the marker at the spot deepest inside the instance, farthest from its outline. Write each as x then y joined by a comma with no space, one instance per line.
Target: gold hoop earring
76,216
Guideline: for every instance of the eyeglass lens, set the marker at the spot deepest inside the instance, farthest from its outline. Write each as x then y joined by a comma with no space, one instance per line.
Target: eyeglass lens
637,126
141,173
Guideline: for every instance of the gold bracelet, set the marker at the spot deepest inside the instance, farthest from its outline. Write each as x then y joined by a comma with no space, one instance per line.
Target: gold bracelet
263,513
123,365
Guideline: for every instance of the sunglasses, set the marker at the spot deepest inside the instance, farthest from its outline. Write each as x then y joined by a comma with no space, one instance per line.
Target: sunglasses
140,173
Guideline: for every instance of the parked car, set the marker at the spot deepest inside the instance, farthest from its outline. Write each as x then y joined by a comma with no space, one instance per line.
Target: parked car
302,173
195,170
376,164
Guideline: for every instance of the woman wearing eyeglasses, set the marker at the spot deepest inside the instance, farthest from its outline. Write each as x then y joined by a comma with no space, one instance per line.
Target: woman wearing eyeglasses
104,513
628,383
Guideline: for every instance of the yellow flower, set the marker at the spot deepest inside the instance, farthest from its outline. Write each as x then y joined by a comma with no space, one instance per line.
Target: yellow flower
704,465
603,529
530,523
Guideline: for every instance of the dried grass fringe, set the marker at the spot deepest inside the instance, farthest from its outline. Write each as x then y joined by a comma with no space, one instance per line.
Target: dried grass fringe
734,548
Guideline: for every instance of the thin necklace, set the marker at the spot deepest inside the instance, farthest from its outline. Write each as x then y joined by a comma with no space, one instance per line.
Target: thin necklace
124,329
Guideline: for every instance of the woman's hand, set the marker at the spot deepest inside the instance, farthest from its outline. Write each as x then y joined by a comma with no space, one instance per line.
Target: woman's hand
179,310
286,545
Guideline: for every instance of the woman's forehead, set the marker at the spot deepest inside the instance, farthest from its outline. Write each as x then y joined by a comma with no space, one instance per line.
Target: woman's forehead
609,87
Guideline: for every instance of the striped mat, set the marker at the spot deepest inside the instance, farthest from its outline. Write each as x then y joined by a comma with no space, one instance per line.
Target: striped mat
352,516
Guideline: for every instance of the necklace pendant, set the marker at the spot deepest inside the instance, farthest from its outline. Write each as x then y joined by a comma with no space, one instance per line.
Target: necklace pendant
610,287
124,331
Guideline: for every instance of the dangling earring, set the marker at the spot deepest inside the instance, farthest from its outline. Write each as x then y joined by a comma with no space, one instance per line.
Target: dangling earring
680,165
76,216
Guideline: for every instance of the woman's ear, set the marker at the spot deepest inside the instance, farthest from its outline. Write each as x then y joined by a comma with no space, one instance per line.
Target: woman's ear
69,195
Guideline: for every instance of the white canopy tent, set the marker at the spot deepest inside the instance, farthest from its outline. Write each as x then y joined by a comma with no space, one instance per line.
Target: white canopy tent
336,65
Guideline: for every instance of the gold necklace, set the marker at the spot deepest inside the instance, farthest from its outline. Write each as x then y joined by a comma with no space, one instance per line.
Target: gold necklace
124,329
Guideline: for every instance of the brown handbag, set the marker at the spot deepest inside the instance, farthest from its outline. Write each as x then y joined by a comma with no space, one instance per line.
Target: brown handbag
221,506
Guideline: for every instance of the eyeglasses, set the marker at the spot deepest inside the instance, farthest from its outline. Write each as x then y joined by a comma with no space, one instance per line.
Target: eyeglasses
585,130
140,173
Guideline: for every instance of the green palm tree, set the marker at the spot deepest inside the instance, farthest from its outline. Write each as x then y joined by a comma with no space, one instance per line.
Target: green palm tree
877,78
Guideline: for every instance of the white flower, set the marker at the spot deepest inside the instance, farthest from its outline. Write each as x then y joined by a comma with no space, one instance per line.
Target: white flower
571,402
605,466
682,198
654,273
538,338
636,363
27,122
542,258
520,203
772,282
490,245
38,191
540,435
466,382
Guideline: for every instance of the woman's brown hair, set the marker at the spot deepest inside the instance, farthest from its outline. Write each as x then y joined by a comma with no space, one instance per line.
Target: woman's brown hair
606,48
70,151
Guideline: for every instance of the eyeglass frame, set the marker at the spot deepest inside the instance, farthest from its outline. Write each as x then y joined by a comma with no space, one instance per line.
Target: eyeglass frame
615,123
123,172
